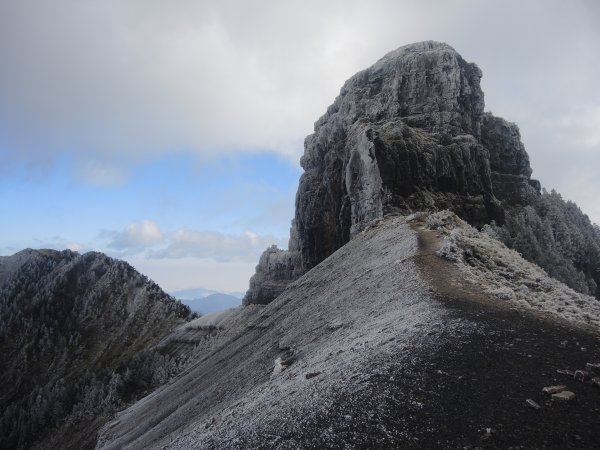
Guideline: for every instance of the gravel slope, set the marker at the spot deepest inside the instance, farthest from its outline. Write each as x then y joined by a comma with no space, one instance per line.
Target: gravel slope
363,351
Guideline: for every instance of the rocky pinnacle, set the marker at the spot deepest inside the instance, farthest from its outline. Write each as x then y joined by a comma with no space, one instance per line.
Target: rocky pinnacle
408,133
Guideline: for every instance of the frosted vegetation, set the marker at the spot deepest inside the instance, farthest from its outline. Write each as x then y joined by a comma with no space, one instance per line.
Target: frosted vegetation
557,236
506,276
78,336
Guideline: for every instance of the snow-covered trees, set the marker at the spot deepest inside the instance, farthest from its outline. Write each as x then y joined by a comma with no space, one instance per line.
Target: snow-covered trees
557,236
78,335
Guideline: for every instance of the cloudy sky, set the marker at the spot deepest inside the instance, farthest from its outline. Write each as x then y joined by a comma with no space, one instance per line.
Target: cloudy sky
168,133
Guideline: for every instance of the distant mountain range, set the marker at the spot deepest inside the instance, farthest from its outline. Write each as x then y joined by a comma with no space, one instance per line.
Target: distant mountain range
205,301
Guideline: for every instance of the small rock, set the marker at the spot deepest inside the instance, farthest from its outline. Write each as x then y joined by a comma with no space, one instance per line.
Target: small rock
278,367
581,375
563,344
283,346
553,389
336,325
593,368
312,375
563,396
568,373
488,433
595,382
533,404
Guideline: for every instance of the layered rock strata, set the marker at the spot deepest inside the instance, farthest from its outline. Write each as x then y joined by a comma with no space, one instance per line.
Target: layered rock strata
409,133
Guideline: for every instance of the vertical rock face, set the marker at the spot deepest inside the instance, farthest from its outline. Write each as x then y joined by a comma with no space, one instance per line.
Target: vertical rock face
275,269
509,162
409,133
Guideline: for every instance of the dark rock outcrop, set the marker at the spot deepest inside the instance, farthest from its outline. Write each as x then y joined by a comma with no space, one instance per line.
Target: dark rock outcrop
274,271
509,162
407,134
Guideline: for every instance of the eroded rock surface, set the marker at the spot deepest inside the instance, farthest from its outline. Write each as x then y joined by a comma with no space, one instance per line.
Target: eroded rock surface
274,272
409,133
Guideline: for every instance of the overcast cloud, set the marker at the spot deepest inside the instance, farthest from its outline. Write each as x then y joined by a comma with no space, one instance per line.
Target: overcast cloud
217,246
113,82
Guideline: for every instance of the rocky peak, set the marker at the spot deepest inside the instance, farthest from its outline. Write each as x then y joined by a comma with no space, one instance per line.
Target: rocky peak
408,133
428,85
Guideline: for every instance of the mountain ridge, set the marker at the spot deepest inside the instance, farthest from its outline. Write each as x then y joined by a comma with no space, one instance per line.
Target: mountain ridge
77,333
364,350
429,291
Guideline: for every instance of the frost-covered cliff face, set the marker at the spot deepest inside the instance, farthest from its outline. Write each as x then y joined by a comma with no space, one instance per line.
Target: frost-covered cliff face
76,336
409,133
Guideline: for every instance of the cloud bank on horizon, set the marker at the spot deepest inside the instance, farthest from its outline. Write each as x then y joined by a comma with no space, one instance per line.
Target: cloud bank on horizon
112,85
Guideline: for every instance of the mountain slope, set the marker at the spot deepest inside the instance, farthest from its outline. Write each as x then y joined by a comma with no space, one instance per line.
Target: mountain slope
368,350
76,335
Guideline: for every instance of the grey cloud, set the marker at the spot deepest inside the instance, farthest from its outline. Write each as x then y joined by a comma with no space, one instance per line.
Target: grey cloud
135,238
113,81
146,240
214,245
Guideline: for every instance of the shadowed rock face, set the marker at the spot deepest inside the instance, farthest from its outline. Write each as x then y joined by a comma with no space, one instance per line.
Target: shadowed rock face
409,133
274,271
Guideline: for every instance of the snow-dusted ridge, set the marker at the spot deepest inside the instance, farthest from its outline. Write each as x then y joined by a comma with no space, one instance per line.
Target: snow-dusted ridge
376,347
366,301
505,275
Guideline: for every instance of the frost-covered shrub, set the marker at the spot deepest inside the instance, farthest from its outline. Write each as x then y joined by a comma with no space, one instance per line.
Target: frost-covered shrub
557,236
442,220
451,248
491,230
503,293
506,276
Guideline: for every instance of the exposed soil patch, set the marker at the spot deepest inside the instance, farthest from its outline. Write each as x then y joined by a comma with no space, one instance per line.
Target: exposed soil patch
483,380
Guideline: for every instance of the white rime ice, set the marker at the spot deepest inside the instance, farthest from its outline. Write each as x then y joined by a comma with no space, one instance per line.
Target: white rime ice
506,276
